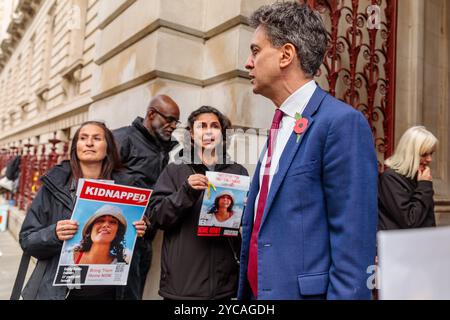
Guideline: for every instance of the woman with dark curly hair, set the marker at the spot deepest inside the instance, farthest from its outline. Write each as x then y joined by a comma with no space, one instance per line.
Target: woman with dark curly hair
194,267
48,224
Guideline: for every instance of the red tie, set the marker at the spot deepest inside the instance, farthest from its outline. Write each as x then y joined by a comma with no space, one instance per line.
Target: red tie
252,270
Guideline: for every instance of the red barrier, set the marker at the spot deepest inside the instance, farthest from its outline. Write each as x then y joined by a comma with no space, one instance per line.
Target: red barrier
35,162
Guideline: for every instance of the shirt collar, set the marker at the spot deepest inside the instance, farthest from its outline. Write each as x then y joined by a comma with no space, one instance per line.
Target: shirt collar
296,103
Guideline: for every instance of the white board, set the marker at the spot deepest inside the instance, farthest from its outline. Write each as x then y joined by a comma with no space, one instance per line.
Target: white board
414,264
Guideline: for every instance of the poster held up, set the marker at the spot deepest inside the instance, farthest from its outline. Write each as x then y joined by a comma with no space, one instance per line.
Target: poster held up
105,213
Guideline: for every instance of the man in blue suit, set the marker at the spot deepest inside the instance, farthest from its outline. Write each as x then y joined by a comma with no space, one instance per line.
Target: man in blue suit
309,228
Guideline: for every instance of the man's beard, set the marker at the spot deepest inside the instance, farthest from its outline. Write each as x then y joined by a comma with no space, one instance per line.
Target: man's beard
162,137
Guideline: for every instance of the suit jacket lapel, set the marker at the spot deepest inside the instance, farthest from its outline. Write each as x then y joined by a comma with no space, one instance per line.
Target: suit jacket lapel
291,149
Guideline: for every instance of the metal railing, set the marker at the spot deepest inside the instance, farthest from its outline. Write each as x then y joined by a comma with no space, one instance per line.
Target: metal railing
36,160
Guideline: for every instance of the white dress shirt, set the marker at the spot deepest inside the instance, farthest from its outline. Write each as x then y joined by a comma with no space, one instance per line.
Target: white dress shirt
296,103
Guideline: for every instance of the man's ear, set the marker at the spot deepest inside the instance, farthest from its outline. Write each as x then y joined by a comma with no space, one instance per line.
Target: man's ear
288,55
150,115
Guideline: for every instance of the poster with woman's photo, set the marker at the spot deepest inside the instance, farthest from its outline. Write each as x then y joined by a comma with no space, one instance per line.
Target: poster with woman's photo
101,250
223,205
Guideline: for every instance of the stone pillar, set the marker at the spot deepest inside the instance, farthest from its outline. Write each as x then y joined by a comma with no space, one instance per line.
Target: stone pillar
410,56
423,84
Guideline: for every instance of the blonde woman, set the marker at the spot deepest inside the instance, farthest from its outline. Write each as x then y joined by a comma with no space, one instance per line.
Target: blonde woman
405,197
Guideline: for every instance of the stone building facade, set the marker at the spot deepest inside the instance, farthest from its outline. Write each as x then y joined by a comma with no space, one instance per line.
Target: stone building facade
6,15
67,61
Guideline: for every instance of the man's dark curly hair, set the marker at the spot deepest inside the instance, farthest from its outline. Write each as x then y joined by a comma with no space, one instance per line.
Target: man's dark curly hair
295,23
117,247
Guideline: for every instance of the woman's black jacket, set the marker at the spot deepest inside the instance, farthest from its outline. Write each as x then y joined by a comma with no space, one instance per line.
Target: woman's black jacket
404,203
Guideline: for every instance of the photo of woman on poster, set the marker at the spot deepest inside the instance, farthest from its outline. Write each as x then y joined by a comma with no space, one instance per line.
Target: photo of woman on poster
221,212
103,238
102,241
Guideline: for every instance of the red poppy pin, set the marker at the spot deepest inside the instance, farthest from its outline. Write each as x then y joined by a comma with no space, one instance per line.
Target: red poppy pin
300,125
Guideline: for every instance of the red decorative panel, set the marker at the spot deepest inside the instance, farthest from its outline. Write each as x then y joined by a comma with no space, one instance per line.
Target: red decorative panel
35,162
359,67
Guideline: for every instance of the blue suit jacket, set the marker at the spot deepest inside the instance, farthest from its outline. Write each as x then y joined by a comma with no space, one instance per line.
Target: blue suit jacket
318,232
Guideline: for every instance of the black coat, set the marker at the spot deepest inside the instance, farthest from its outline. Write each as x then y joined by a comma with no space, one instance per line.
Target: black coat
404,203
192,267
13,169
143,156
38,236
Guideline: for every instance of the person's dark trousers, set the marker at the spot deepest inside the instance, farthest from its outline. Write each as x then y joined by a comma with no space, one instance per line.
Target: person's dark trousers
146,254
145,262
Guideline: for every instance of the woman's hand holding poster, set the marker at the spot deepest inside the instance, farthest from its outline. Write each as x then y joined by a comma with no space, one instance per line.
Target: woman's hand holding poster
223,205
100,252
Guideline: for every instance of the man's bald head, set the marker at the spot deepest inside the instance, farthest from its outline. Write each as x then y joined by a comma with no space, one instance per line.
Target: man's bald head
162,116
164,104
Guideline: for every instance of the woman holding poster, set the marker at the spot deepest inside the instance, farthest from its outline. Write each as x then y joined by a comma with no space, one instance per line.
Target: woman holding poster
47,224
203,267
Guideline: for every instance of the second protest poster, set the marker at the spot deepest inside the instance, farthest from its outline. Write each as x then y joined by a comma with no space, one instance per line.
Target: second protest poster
223,205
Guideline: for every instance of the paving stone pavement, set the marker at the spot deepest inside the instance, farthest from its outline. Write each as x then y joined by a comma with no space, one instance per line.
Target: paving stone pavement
10,254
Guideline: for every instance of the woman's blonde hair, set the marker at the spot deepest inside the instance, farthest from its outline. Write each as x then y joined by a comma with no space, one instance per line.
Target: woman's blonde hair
415,142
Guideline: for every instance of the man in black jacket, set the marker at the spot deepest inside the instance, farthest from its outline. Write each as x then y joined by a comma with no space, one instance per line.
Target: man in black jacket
144,150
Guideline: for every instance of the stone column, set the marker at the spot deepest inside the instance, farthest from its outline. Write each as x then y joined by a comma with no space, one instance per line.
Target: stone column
410,57
423,84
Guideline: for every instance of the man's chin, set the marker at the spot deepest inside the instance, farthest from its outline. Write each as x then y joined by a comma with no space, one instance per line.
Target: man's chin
257,90
164,138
